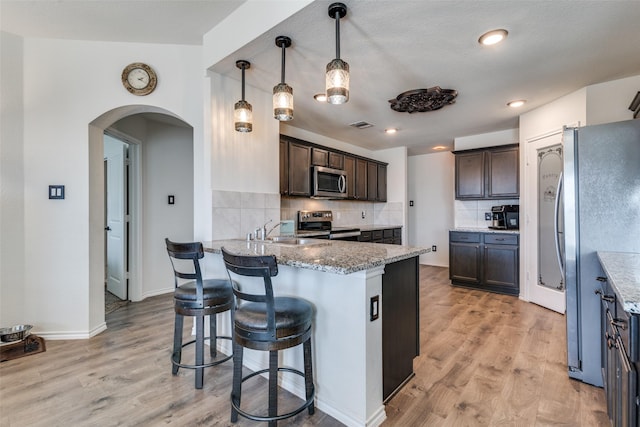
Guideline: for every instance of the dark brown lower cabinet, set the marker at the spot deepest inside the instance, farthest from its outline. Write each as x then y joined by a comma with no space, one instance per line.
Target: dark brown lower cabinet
620,358
400,324
488,261
391,236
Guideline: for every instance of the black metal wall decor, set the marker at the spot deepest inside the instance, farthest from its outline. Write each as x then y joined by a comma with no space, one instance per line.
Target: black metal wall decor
422,100
635,105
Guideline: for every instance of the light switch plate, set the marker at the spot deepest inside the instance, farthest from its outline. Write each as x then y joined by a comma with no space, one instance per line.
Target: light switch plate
56,191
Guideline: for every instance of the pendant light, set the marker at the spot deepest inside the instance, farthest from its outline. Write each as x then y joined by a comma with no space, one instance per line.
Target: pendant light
282,92
243,112
337,77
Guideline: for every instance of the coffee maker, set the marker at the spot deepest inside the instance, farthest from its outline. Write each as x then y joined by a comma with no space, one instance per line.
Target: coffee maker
505,217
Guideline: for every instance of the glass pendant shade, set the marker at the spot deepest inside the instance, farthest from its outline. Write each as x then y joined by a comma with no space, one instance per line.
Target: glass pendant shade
337,82
243,116
283,102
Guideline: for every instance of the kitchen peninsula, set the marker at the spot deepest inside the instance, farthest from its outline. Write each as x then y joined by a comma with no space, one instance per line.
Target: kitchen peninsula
365,332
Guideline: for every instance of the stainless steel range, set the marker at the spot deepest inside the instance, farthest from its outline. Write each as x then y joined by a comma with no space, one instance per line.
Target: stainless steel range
319,224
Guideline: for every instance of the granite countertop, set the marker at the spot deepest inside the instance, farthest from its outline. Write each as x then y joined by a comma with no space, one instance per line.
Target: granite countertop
623,271
339,257
484,230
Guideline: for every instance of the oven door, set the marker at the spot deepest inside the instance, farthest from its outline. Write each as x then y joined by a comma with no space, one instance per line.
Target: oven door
329,183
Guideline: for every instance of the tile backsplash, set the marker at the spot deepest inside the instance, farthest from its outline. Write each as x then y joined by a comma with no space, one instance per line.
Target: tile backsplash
237,213
470,213
347,212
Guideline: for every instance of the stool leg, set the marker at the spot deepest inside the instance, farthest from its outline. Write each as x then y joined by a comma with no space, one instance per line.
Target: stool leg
236,388
273,386
177,343
213,336
308,373
199,351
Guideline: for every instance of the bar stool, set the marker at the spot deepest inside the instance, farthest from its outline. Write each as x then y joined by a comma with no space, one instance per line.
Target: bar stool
267,323
198,298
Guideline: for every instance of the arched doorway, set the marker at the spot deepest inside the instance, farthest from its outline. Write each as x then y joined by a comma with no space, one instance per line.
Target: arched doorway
165,148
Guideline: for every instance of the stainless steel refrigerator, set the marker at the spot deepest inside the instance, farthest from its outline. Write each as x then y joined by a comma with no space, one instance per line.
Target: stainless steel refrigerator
600,211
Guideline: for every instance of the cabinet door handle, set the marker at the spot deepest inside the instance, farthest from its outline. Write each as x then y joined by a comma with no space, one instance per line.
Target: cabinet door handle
607,298
620,323
601,279
500,239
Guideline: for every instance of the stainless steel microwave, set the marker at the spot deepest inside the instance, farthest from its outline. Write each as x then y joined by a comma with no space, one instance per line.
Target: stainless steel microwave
329,183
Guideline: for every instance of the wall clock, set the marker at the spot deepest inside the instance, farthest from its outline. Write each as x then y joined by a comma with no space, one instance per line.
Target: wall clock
139,78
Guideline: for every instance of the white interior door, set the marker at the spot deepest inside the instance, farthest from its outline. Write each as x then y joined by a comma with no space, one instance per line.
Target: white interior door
545,281
115,200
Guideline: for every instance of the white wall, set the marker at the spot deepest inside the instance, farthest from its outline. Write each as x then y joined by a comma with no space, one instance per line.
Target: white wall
167,163
66,236
491,139
431,187
243,161
609,102
12,246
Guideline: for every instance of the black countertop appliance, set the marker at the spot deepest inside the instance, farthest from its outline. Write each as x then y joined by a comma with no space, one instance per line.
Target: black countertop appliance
505,217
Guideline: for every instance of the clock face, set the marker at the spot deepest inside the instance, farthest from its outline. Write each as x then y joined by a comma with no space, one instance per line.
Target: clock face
139,78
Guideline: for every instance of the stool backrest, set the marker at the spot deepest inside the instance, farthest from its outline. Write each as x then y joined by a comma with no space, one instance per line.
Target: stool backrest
183,271
264,266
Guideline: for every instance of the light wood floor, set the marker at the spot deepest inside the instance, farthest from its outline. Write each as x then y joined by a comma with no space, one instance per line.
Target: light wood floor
485,360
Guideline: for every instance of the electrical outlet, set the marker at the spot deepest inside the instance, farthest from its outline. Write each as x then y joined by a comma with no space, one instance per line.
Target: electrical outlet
487,216
364,214
434,248
374,308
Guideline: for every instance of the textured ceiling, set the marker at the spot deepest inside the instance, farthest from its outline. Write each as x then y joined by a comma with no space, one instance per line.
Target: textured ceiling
553,48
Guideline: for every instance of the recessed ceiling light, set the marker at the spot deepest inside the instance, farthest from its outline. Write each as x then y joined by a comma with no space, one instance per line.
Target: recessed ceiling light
493,37
390,130
439,147
320,97
516,104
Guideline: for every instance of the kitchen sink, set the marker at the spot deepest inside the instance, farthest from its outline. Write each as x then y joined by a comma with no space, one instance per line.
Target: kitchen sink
289,240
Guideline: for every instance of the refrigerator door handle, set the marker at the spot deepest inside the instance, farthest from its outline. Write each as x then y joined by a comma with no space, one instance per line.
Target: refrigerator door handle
556,224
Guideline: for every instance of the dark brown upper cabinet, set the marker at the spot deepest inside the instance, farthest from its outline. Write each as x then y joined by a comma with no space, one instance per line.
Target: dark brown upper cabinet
319,157
295,169
350,170
490,173
361,179
366,178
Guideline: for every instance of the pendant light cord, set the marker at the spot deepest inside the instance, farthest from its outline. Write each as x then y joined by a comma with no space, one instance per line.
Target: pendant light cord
243,83
284,47
337,34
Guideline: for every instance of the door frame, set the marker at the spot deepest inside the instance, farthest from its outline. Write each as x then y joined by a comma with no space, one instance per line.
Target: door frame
134,233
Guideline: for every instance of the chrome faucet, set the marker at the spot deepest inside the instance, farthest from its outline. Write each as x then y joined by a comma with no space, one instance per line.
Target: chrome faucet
261,233
271,230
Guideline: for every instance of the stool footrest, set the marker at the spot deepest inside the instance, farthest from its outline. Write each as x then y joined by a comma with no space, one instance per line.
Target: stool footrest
296,411
206,365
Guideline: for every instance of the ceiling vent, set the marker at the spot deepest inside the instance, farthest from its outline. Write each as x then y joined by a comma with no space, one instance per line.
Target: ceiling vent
361,125
422,100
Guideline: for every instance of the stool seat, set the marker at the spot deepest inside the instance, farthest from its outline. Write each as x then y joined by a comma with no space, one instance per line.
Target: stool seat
215,292
292,315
